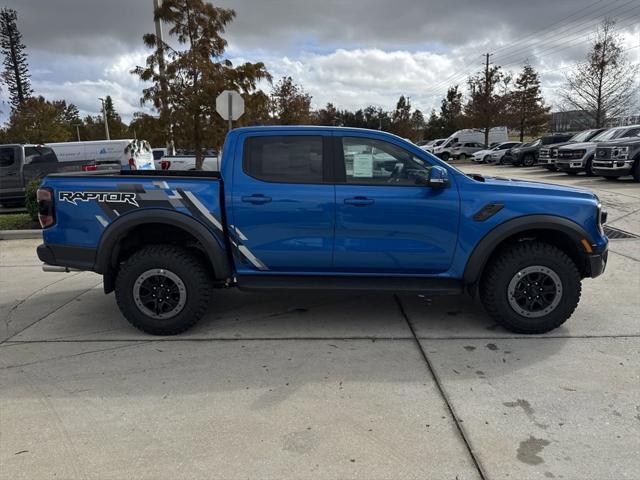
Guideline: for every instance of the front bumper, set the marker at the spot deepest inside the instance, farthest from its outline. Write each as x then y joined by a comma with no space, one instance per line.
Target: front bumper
597,263
617,167
570,165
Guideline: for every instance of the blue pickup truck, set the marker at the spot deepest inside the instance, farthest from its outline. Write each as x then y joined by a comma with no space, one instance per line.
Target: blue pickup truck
320,208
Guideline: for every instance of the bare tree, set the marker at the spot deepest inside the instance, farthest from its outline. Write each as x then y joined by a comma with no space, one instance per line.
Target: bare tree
604,85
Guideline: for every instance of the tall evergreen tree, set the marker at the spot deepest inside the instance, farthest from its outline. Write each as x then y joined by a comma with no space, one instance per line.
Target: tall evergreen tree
16,70
290,103
450,112
196,71
526,105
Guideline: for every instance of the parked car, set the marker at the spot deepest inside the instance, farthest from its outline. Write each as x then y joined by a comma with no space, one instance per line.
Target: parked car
429,146
461,151
577,157
548,154
618,158
527,154
496,134
494,154
312,208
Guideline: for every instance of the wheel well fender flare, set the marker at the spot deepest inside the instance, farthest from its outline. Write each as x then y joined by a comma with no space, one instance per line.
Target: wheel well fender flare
492,240
123,225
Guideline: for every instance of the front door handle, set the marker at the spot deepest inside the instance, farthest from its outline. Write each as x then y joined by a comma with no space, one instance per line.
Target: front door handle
256,199
359,201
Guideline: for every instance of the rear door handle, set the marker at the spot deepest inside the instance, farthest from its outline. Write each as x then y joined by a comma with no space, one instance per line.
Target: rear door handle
256,199
359,201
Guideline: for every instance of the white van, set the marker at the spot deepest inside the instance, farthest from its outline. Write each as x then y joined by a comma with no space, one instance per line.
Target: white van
496,135
129,154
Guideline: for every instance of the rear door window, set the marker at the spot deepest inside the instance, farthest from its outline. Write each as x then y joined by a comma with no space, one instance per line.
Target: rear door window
7,156
284,159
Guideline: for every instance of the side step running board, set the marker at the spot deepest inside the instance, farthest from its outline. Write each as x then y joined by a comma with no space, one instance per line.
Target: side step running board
434,286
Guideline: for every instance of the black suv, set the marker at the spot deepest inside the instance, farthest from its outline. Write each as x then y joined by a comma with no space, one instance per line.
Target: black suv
527,154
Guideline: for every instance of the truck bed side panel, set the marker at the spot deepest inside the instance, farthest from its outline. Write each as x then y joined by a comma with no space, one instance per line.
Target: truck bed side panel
86,206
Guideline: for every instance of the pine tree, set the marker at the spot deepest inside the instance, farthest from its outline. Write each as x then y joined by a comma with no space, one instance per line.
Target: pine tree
526,105
16,72
451,112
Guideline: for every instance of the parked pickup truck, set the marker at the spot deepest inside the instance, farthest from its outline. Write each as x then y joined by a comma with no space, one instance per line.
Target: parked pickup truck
187,162
576,157
548,155
618,158
317,208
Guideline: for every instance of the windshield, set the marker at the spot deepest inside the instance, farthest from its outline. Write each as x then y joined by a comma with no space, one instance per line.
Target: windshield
437,143
582,136
608,135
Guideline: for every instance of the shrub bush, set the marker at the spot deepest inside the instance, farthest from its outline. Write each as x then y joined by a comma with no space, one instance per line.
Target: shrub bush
31,201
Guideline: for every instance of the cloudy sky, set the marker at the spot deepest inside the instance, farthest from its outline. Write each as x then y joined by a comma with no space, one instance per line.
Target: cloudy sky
352,53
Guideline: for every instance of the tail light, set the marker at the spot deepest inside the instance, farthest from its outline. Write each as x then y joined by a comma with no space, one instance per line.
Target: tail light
132,164
89,168
165,164
46,214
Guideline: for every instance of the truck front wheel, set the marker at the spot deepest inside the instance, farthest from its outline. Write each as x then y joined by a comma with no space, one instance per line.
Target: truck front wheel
163,289
531,287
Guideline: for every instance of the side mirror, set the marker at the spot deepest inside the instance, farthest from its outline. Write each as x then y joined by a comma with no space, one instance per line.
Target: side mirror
438,178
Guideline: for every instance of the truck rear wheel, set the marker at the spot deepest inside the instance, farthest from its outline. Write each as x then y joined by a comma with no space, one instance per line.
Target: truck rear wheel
163,289
531,288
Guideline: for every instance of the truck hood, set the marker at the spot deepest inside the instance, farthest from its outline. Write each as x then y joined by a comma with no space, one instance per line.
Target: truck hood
622,142
535,188
579,146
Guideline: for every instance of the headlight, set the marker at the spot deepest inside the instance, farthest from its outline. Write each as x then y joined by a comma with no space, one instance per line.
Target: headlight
602,217
620,153
578,154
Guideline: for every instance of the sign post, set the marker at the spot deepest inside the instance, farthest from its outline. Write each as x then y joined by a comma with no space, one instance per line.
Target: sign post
230,106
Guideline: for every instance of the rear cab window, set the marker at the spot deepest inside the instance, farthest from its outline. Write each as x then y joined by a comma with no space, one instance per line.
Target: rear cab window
39,155
284,159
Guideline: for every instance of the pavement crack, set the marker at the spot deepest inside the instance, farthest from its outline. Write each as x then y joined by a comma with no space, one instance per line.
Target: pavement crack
443,393
50,313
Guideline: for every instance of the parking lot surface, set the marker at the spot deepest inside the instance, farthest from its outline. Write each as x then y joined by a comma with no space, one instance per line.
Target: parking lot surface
285,385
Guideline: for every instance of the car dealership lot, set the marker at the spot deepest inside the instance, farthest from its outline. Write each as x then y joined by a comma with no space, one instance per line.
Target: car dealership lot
284,385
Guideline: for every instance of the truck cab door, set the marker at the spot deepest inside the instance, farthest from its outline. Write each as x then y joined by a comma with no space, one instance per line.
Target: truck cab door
282,213
11,181
387,220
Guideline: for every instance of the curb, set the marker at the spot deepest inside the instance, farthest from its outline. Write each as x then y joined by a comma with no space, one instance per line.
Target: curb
20,234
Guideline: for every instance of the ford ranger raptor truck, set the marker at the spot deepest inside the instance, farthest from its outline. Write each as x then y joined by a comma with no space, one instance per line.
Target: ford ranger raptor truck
618,158
317,208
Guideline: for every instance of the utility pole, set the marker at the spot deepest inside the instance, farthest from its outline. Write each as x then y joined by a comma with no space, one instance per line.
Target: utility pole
164,107
106,122
77,125
488,88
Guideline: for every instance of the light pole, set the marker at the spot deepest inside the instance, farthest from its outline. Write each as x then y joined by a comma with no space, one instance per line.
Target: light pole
77,125
104,115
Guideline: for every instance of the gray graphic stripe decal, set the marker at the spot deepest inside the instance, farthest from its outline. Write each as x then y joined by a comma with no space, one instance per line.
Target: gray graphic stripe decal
252,258
202,209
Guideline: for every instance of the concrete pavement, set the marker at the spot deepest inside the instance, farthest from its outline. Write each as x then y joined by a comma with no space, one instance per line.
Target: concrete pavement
321,386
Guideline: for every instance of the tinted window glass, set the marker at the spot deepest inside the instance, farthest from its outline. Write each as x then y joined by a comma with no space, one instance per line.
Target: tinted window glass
7,156
158,154
376,162
284,159
39,155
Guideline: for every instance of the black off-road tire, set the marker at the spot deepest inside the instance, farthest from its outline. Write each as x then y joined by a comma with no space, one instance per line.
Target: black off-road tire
187,266
495,281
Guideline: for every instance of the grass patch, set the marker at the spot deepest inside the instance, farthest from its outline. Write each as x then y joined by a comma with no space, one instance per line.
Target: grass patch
17,221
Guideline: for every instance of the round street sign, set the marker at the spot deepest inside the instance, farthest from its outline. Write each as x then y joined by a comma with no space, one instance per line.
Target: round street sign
230,105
